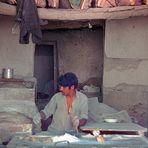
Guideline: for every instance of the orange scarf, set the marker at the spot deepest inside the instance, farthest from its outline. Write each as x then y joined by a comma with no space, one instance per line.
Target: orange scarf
69,101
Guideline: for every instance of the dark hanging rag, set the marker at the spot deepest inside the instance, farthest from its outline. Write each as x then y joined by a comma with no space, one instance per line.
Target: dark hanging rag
27,16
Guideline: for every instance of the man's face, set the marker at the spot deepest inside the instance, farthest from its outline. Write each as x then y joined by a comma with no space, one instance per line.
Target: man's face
65,90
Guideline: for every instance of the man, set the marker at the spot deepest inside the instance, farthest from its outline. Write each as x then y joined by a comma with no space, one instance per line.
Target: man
68,107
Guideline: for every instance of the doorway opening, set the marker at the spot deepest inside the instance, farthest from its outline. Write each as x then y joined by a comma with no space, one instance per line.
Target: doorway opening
46,72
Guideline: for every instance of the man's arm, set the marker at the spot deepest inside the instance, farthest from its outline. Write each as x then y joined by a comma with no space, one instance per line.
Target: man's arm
84,112
38,117
46,112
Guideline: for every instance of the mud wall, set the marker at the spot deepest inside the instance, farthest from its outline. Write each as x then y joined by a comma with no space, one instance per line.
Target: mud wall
79,51
125,79
12,54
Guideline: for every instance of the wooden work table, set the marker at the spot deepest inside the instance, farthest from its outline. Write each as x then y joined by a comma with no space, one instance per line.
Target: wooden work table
111,141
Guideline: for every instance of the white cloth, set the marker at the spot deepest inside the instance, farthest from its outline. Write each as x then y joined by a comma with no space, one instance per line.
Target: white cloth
65,137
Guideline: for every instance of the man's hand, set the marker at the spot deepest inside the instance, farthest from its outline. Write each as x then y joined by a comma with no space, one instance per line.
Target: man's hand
37,118
75,122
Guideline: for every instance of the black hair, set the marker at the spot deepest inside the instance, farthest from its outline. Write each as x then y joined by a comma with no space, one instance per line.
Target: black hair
68,79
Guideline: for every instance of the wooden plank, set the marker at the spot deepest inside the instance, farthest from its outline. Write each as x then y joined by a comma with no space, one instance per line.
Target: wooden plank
78,14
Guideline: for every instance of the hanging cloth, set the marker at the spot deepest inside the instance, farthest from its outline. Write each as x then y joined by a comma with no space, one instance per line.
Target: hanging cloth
27,17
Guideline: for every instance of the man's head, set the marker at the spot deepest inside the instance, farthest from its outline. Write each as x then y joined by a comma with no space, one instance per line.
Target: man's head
68,83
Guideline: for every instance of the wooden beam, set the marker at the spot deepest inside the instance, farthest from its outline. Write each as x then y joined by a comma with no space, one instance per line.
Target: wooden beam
78,14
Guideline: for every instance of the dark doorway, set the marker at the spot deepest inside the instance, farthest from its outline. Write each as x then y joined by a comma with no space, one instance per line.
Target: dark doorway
44,63
45,71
